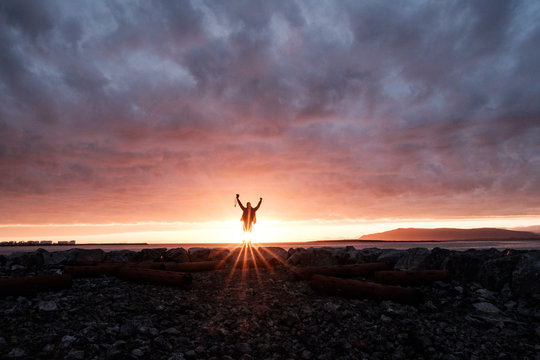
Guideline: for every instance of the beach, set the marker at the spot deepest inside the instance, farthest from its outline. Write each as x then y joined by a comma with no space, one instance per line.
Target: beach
254,307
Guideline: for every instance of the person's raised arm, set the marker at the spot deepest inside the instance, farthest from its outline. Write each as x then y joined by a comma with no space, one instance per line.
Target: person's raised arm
239,203
259,204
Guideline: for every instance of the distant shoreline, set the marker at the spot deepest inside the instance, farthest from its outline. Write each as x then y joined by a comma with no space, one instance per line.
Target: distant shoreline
76,244
427,240
311,242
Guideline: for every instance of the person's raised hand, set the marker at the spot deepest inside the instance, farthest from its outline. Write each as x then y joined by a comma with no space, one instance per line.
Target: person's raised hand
237,196
260,198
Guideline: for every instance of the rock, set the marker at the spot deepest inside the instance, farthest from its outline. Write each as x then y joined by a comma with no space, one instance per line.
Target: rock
412,259
314,256
391,255
494,273
177,357
49,348
346,255
163,343
16,353
27,259
137,353
368,255
121,255
178,255
295,256
244,348
434,260
465,265
67,340
486,307
218,254
526,276
485,294
149,255
199,254
171,331
75,354
77,254
190,354
306,355
47,306
52,258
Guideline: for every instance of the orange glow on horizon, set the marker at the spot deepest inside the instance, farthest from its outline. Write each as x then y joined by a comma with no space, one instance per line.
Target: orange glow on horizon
265,231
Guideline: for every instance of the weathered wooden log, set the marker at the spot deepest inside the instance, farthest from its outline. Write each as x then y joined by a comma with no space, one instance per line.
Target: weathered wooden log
411,277
365,290
92,270
196,266
353,270
32,285
153,276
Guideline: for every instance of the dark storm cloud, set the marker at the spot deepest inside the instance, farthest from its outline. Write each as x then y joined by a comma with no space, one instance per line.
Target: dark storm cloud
350,109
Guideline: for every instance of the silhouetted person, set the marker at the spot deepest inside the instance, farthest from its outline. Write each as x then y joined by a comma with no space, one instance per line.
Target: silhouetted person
248,216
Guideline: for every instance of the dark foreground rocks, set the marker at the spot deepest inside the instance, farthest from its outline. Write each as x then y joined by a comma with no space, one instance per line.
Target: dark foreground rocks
262,314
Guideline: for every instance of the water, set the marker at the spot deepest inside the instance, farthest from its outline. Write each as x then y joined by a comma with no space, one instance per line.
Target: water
451,245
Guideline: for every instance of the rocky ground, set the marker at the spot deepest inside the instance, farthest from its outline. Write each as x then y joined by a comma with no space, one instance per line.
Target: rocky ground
265,314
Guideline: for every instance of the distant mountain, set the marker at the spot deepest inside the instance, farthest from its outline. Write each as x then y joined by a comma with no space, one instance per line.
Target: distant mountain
441,234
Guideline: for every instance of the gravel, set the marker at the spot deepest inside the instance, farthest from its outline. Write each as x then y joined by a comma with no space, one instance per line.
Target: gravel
263,314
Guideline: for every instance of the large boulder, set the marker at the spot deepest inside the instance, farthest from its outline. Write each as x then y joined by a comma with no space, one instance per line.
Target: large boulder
154,254
26,259
495,273
53,258
346,255
526,276
465,265
121,255
177,254
391,255
368,255
435,259
314,257
199,254
297,256
78,254
218,254
412,259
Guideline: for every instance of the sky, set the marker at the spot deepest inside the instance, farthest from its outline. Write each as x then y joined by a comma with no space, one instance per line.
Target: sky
149,116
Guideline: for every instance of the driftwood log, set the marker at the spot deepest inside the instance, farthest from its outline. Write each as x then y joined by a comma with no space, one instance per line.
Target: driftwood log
365,290
353,270
98,269
195,266
411,277
34,284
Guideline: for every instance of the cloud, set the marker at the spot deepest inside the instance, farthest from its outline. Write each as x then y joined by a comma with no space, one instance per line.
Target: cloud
160,111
